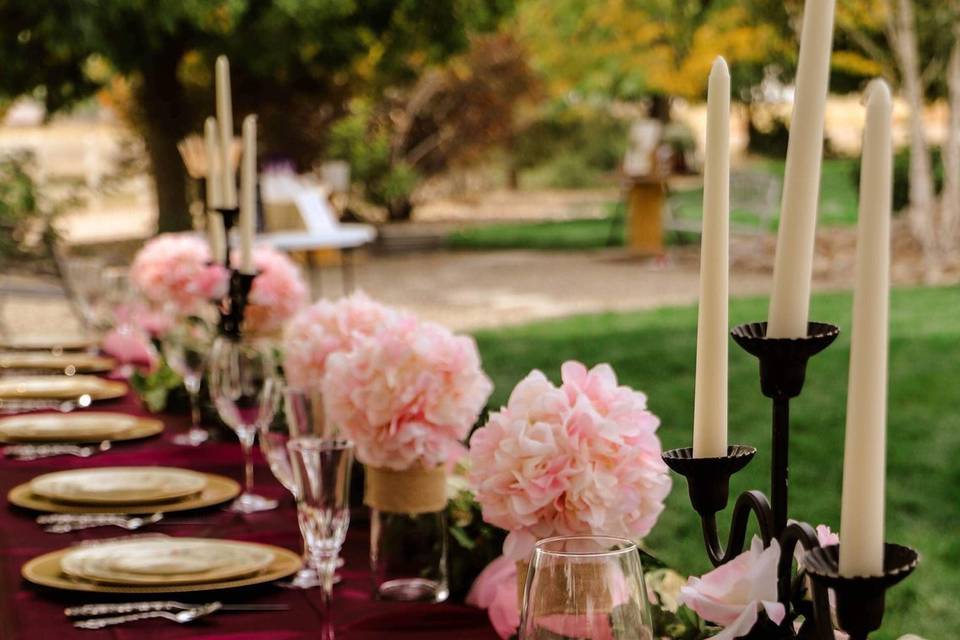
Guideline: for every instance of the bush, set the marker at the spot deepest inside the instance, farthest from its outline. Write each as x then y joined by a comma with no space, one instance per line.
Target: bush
25,220
771,140
901,176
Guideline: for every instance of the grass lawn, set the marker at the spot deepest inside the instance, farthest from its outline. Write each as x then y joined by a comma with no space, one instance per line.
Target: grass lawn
655,352
838,205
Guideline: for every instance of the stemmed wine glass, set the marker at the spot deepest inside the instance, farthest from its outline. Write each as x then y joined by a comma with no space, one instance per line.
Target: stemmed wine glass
304,415
246,391
585,587
321,474
185,348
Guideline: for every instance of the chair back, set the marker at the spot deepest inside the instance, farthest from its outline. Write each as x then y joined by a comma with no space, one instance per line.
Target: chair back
315,209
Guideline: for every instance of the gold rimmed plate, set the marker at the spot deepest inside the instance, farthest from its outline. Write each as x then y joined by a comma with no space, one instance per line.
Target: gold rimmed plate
48,342
46,571
87,426
67,362
60,388
119,486
218,490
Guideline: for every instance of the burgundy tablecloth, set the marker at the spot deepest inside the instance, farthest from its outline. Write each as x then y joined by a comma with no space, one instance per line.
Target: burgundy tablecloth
30,613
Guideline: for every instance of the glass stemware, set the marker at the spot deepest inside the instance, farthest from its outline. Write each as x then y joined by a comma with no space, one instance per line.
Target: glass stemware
303,411
321,472
185,348
585,587
246,391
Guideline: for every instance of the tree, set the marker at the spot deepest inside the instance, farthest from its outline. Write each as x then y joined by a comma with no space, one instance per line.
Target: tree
298,64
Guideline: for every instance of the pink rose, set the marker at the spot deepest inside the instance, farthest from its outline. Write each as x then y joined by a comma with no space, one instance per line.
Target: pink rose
580,458
495,590
732,594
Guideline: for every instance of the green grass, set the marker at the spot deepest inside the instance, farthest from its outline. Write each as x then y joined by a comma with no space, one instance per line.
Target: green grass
655,352
838,206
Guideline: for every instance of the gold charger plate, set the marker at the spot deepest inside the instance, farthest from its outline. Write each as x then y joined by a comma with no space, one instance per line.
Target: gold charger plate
59,387
45,571
86,426
219,489
69,363
119,485
49,342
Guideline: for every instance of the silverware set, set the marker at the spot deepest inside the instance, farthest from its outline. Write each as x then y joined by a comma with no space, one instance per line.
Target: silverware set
19,405
39,451
179,612
68,522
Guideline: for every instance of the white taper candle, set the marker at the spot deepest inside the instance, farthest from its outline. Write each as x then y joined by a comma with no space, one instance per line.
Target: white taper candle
864,453
248,195
793,264
710,399
225,120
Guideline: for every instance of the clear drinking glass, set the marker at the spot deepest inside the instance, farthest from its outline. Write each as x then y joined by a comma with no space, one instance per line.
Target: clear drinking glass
246,391
185,348
585,587
303,411
321,472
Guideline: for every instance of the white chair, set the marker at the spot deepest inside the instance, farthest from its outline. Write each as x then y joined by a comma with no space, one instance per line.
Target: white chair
322,229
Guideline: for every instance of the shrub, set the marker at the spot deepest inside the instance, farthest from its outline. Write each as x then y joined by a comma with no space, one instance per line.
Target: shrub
901,176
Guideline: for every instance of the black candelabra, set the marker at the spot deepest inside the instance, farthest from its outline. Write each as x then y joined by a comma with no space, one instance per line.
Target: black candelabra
859,600
233,305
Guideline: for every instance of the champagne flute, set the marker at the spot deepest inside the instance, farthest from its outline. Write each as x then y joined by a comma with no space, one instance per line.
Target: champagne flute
321,473
185,348
246,392
585,587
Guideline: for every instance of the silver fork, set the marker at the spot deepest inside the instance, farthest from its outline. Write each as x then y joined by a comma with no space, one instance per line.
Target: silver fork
17,405
160,605
180,617
77,523
39,451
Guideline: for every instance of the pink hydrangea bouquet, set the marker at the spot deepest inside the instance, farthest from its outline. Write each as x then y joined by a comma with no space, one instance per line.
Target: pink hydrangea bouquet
406,392
581,458
324,328
173,270
278,291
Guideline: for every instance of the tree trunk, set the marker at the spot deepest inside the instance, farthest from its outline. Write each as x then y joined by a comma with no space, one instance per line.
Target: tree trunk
163,122
950,198
921,209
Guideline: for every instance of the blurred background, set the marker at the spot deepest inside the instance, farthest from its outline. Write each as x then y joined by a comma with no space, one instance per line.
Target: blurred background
521,161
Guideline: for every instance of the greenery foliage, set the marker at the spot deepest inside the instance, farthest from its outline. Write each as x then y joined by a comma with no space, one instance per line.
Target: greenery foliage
26,218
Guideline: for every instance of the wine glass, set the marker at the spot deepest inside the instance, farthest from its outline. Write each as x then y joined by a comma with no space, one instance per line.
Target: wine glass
321,474
585,587
303,411
185,348
246,391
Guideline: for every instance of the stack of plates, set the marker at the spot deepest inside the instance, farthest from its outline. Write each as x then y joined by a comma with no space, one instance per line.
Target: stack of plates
56,362
90,426
123,490
158,564
60,388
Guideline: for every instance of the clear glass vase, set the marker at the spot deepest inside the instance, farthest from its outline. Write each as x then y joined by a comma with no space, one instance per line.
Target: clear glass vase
408,556
408,533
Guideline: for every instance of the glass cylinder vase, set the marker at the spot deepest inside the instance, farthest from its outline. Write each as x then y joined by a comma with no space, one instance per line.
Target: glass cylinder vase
408,533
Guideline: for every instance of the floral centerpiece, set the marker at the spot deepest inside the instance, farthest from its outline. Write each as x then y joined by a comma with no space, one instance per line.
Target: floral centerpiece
277,294
174,271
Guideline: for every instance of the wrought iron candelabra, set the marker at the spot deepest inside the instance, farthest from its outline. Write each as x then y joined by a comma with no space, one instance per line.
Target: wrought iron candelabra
859,600
232,306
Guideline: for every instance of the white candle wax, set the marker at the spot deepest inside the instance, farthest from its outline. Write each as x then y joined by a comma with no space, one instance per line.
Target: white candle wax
212,152
248,195
225,120
710,399
218,237
864,459
793,265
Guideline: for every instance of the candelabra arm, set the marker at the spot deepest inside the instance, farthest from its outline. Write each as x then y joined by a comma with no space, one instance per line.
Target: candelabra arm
801,533
749,501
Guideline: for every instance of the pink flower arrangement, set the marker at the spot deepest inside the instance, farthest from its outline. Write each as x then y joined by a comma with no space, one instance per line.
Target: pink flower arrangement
580,458
324,328
733,594
174,270
407,394
278,291
495,590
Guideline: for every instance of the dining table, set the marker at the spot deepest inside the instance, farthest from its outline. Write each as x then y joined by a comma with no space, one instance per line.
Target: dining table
28,612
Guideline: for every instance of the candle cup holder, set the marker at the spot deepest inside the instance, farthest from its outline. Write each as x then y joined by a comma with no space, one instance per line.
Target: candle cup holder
708,479
860,600
232,307
783,361
230,216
